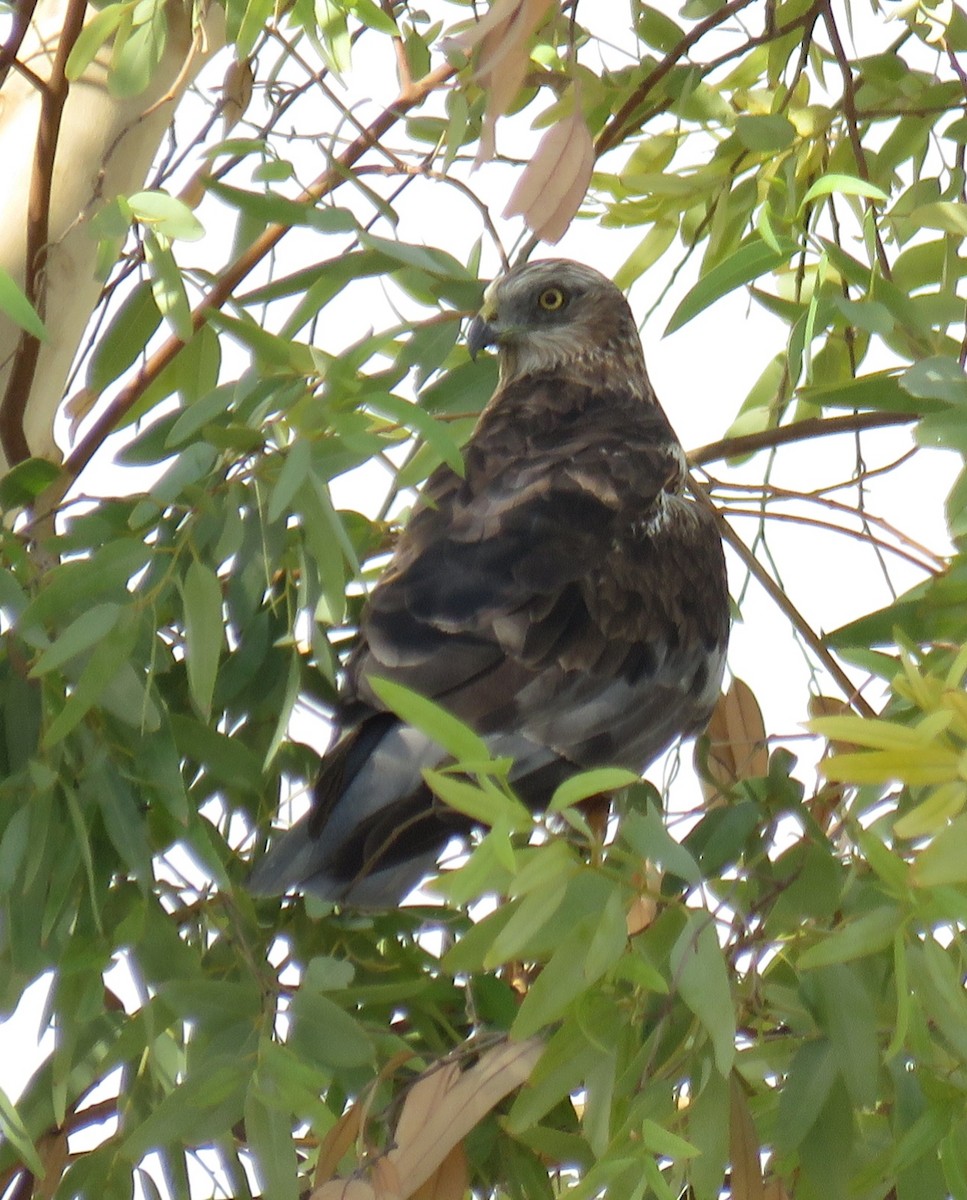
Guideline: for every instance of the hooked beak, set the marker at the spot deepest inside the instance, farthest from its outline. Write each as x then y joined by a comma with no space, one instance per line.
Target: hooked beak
480,333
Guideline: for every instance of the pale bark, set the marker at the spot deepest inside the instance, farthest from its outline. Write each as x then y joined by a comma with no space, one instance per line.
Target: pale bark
104,147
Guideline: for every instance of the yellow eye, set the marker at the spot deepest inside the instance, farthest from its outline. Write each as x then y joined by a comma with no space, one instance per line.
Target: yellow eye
552,299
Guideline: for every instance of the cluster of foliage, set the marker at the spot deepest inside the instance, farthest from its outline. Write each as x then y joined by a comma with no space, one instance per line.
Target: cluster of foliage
771,1005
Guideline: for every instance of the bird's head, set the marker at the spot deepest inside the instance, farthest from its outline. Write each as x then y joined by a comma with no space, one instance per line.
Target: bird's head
558,315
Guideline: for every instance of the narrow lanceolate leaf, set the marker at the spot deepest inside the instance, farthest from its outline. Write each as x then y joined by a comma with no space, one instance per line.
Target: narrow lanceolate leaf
268,1128
413,417
204,633
944,861
845,185
168,287
15,305
590,783
86,631
454,736
750,261
698,969
16,1133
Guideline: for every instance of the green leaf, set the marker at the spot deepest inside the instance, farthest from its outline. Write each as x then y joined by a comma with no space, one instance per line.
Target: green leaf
811,1076
457,738
699,971
944,860
372,15
16,1132
750,261
590,783
167,287
268,1129
936,378
867,934
108,657
326,1034
15,305
22,484
295,468
92,37
766,132
489,807
125,338
844,185
204,633
947,215
412,416
87,630
167,215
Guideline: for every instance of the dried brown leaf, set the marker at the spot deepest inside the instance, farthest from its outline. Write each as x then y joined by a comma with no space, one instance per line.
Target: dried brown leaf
423,1099
345,1189
472,1095
78,407
501,41
449,1181
236,91
737,743
336,1142
386,1180
743,1147
641,914
829,797
554,182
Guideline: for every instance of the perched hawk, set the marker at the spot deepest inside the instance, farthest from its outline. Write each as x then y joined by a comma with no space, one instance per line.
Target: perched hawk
564,598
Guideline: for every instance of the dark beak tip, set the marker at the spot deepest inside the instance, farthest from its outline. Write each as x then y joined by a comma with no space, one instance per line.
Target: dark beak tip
480,333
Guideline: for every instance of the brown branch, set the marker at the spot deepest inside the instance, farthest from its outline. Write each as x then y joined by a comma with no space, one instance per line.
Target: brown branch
23,369
22,14
852,122
801,431
785,605
233,275
861,535
616,129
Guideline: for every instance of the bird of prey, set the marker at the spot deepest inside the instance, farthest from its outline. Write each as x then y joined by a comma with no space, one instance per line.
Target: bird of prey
563,597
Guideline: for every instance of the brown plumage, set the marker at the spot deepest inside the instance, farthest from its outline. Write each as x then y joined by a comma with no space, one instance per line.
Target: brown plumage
564,598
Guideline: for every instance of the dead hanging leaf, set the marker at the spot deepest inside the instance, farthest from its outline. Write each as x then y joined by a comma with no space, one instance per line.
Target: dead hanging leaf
78,407
828,799
459,1107
423,1100
743,1147
737,747
554,182
644,908
345,1189
449,1181
236,92
641,914
427,1161
336,1142
501,43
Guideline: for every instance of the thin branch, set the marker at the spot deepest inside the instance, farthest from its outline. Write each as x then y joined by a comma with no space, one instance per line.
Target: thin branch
801,431
23,369
861,535
785,605
616,129
852,122
22,14
233,275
